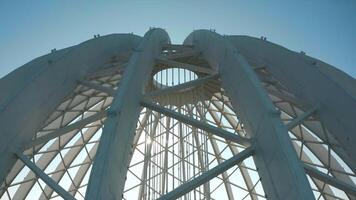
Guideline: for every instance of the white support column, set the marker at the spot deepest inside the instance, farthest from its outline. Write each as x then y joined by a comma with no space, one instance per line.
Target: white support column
244,172
281,172
165,167
203,166
107,179
182,152
56,75
315,83
147,159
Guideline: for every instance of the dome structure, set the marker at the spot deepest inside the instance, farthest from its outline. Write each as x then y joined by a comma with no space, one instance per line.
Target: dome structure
217,117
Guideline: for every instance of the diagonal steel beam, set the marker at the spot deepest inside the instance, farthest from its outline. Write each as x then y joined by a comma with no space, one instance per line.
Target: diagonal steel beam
242,167
98,87
285,96
330,180
204,167
67,129
295,122
177,46
49,181
207,176
184,54
196,123
191,67
108,71
183,86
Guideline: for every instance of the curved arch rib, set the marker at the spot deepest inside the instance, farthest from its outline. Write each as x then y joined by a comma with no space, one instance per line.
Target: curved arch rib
107,178
281,172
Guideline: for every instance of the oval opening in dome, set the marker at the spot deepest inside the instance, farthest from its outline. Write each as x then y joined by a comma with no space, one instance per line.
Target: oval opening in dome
173,76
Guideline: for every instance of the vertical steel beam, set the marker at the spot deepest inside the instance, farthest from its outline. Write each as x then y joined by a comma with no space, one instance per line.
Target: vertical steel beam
245,174
182,151
164,185
107,178
281,172
147,159
203,166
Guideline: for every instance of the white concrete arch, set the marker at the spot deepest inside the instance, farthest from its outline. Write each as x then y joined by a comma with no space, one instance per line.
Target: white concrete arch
244,127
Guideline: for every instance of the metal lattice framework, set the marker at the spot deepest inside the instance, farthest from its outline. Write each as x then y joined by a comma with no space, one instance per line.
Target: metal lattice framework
218,117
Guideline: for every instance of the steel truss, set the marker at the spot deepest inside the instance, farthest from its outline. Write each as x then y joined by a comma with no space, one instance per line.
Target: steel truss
238,130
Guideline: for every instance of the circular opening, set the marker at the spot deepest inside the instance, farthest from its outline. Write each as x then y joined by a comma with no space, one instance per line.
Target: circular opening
173,76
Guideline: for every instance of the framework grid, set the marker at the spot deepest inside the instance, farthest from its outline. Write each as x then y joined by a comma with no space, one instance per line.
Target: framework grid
217,117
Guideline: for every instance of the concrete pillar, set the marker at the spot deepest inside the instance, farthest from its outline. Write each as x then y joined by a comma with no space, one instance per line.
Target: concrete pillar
281,172
107,179
32,92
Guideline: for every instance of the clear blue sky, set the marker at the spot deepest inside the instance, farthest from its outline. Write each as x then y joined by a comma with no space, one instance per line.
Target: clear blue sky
325,29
